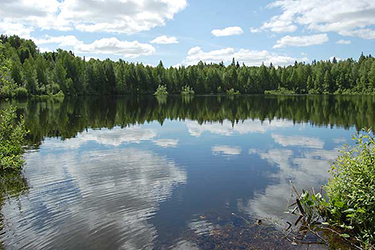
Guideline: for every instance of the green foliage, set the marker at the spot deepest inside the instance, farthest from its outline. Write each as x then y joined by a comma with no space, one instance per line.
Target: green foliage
349,205
49,72
280,91
161,91
232,92
186,90
7,86
351,190
21,92
12,140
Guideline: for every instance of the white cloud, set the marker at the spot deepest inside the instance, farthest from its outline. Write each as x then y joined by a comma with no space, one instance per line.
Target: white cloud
166,143
249,57
116,47
165,40
69,40
301,141
301,41
117,16
255,30
362,33
107,46
230,31
19,29
346,17
226,150
344,41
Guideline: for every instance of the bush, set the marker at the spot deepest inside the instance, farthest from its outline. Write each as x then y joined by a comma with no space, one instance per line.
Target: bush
186,90
21,92
60,94
351,190
162,90
12,140
280,91
232,92
349,204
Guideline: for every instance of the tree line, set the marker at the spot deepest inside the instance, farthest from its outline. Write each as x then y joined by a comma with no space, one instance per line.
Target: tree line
24,71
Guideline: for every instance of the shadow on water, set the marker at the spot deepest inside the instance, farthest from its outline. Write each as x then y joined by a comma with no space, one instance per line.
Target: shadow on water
180,172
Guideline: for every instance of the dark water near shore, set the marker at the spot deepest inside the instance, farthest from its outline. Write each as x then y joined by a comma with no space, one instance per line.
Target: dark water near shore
176,173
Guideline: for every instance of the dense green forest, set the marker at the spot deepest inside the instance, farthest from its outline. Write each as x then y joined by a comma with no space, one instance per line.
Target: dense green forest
26,71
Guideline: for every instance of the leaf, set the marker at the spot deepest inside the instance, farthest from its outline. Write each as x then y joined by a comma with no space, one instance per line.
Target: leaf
339,204
345,235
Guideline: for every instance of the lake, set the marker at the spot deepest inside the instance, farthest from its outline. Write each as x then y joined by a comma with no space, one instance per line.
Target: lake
171,173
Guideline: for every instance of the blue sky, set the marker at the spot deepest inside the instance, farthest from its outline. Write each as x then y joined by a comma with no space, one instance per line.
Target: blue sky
187,31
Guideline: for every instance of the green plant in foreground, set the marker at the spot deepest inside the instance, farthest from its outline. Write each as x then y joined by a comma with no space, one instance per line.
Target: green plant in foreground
12,140
351,190
161,90
349,206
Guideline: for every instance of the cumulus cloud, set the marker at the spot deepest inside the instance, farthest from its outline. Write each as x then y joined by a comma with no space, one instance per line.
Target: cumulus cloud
19,29
344,42
164,40
230,31
346,17
108,46
249,57
116,47
117,16
301,41
69,40
362,33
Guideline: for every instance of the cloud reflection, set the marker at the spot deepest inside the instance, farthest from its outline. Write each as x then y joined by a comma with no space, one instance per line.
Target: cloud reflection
94,199
301,141
109,137
166,143
227,128
226,150
307,168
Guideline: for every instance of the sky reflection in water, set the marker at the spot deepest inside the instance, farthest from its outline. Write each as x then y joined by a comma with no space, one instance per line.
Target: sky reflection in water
143,186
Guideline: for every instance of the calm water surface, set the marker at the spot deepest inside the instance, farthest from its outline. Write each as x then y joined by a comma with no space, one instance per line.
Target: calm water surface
176,173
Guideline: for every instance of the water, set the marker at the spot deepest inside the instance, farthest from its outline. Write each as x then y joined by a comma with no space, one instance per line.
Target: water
176,173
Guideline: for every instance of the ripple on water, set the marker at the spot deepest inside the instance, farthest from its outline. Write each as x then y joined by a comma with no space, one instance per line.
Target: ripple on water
90,199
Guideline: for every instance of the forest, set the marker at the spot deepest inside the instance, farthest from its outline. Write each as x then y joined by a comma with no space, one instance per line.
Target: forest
25,71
